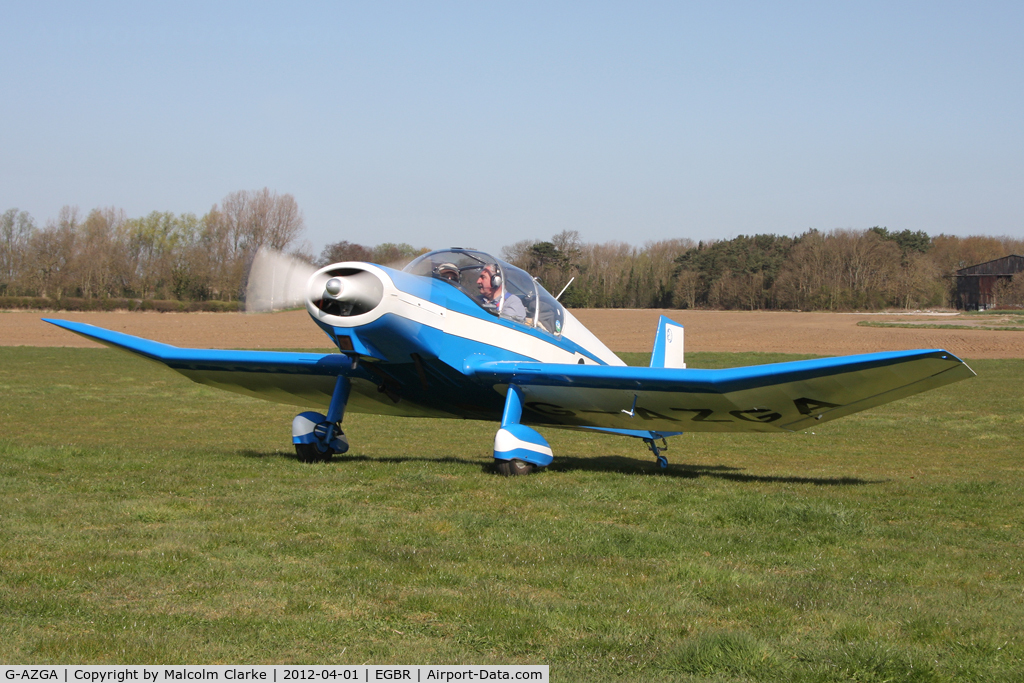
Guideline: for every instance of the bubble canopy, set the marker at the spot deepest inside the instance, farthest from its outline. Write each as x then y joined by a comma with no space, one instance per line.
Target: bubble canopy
464,268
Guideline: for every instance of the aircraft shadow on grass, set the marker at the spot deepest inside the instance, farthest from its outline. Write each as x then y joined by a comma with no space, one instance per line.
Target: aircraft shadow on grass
605,463
617,463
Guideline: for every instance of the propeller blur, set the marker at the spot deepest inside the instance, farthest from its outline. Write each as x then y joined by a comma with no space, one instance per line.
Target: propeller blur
460,334
276,281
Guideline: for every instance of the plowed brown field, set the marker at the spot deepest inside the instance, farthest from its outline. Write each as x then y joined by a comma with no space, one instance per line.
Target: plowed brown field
827,334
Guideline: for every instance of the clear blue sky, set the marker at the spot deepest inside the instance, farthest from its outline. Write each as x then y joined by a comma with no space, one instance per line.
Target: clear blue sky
482,123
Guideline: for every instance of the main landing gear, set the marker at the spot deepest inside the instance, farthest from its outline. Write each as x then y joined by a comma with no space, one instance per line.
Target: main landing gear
319,437
662,460
518,449
514,468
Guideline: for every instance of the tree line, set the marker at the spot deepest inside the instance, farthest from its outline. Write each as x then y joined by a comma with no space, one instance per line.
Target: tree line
107,255
836,270
162,256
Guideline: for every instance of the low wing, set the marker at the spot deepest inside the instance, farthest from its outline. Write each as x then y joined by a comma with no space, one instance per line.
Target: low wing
302,379
760,398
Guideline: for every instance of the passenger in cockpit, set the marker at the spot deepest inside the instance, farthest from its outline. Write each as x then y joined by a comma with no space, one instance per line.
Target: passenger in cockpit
495,297
449,272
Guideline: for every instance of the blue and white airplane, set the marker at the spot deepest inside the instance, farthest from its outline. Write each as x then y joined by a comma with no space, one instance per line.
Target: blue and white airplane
460,334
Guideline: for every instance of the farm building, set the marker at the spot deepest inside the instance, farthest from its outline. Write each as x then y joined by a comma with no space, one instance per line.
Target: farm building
976,285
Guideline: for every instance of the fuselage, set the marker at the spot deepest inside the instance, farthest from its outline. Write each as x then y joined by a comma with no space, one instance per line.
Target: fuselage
414,332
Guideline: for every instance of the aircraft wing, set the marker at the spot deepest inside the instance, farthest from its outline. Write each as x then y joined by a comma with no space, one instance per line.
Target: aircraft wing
760,398
302,379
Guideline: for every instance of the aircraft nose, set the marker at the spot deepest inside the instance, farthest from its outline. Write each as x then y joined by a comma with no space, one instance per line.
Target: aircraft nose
346,292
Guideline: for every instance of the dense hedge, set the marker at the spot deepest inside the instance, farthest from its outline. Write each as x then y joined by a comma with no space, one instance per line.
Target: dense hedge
109,304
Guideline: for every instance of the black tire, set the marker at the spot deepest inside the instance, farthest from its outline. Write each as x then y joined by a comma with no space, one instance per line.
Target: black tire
514,468
309,453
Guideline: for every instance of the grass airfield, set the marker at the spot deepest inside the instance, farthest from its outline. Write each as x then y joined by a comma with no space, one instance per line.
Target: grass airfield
147,519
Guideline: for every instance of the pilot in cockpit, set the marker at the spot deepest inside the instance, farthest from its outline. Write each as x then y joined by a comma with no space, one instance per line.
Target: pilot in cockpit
496,298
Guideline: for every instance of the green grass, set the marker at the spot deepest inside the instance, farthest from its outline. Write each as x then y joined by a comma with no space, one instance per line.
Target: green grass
147,519
1009,310
944,326
1009,320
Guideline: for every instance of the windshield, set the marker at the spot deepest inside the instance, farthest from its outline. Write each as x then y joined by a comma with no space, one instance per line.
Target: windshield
499,288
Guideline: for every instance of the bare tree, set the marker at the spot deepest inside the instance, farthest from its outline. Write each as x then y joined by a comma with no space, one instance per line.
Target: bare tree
518,253
16,231
917,282
655,270
261,219
686,289
101,253
52,252
839,270
250,220
568,244
344,251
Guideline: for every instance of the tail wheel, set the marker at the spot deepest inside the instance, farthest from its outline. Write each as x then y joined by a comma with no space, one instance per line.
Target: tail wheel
309,453
514,468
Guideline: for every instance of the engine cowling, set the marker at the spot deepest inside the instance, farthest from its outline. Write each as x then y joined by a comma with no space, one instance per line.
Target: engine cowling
343,290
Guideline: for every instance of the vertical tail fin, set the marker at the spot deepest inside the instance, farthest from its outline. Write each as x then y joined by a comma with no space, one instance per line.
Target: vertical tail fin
668,345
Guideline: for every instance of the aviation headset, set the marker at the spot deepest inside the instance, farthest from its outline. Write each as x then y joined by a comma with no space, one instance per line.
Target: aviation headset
492,270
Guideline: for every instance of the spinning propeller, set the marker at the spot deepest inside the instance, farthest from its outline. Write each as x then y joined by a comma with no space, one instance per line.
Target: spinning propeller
278,281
